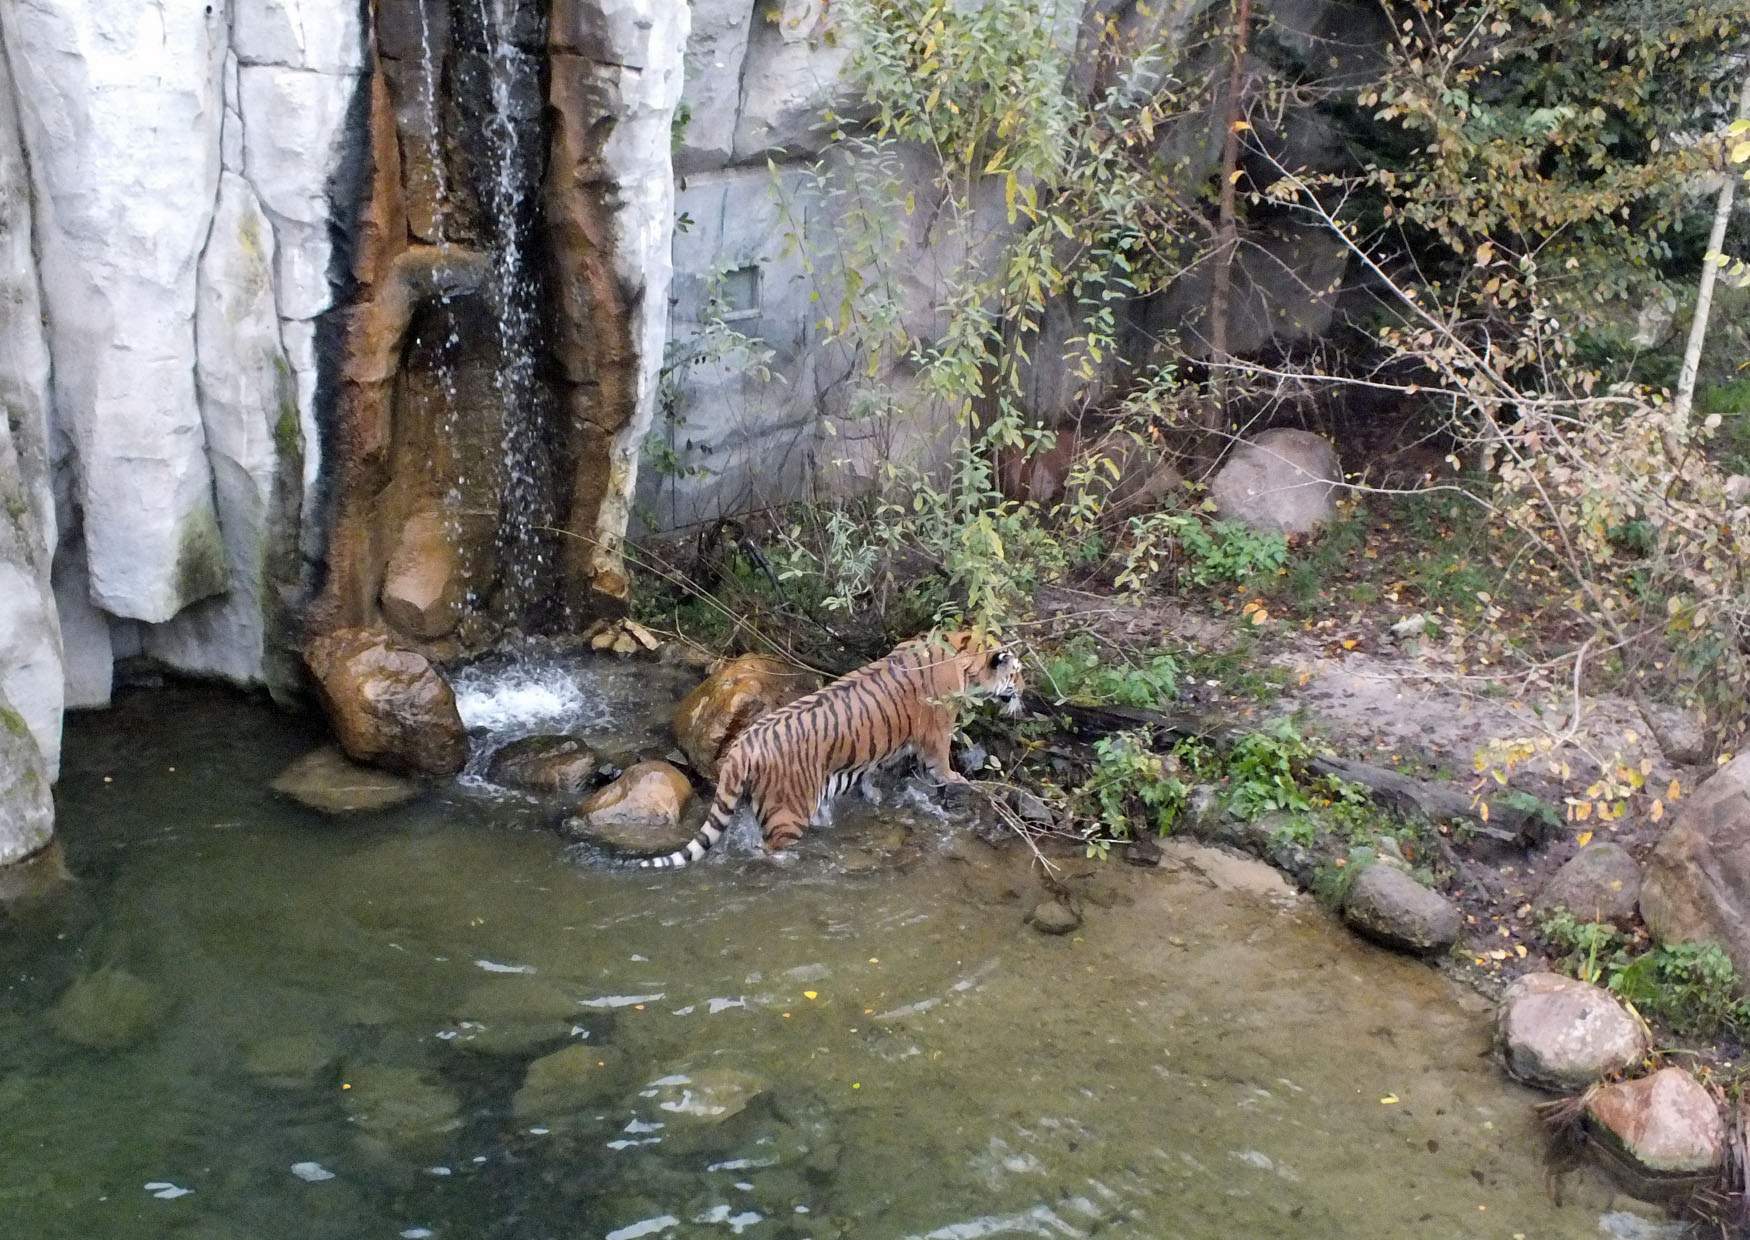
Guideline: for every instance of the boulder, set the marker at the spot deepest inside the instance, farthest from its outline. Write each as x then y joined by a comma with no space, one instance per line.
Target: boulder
514,1016
1665,1124
389,707
290,1060
639,813
422,588
1601,882
711,95
1696,887
1561,1034
709,1096
328,782
565,1082
1391,908
401,1107
1282,480
732,697
556,764
27,805
792,73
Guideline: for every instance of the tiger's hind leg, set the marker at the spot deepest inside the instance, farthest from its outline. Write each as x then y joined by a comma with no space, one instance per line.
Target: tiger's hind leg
782,828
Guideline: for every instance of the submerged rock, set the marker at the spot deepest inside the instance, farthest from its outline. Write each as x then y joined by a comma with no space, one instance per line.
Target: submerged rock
565,1082
290,1060
388,705
552,764
708,1096
1601,882
1697,883
107,1009
1054,916
732,697
402,1107
1391,908
1665,1124
638,813
329,782
1282,480
514,1016
1561,1034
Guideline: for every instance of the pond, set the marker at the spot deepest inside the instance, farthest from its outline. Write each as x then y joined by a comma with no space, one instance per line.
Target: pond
246,1020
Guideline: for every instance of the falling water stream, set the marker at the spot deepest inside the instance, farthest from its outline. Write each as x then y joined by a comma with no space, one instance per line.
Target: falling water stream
245,1020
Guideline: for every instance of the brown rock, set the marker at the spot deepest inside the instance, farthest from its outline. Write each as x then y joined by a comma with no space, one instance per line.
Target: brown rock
732,697
1665,1124
638,813
1697,882
1389,907
388,706
1563,1035
545,764
422,587
328,782
1601,882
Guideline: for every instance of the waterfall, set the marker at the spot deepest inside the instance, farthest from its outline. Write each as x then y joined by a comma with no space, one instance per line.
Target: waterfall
524,543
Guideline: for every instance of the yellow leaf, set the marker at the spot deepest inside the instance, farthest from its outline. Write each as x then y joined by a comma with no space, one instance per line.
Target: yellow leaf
1519,948
1483,811
811,994
1242,126
1583,810
1349,643
1673,792
1260,616
1583,839
1657,811
1388,1100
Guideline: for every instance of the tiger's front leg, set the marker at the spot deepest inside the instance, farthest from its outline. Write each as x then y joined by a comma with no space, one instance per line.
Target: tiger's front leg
937,756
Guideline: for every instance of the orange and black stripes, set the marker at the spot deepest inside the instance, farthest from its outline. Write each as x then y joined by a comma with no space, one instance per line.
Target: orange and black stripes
791,762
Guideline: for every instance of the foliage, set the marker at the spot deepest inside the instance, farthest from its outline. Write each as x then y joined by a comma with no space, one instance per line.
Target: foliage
1203,554
1265,772
1129,781
1080,672
1691,987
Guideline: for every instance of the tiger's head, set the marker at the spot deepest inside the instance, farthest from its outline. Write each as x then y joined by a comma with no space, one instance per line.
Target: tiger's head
990,670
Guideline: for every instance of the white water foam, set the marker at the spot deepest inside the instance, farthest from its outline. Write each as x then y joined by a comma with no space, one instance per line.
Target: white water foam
523,698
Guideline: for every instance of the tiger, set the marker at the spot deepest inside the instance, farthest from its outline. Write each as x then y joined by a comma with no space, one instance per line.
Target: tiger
791,762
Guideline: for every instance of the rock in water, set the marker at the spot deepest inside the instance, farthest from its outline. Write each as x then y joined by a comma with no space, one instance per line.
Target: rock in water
290,1060
401,1107
1281,480
1697,882
27,807
1054,916
545,764
639,813
388,705
732,697
329,782
1601,882
1563,1035
709,1096
106,1010
1665,1124
1390,907
565,1082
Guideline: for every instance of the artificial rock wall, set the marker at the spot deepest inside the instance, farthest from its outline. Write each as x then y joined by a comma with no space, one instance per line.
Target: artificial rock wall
217,256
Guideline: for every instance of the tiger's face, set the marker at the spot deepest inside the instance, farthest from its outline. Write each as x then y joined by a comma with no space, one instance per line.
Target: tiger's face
991,671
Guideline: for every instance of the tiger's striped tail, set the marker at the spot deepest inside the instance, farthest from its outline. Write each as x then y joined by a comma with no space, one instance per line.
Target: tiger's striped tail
723,806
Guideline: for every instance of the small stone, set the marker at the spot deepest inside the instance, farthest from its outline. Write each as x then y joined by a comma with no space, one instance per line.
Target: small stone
970,759
1031,808
1664,1124
1054,916
639,813
1601,882
1144,850
1562,1034
1391,908
106,1010
329,782
549,764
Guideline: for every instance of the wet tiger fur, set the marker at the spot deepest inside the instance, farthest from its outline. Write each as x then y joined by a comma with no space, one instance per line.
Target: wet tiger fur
791,762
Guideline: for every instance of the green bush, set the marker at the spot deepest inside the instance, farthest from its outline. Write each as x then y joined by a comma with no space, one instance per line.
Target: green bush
1690,987
1079,672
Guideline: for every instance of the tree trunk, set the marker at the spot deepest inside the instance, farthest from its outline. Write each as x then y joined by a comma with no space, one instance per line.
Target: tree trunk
1217,421
1704,293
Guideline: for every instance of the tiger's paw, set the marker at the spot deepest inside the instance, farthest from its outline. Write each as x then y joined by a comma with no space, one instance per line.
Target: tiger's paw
956,793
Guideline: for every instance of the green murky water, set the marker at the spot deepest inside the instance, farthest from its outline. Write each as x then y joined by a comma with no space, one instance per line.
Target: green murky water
435,1023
